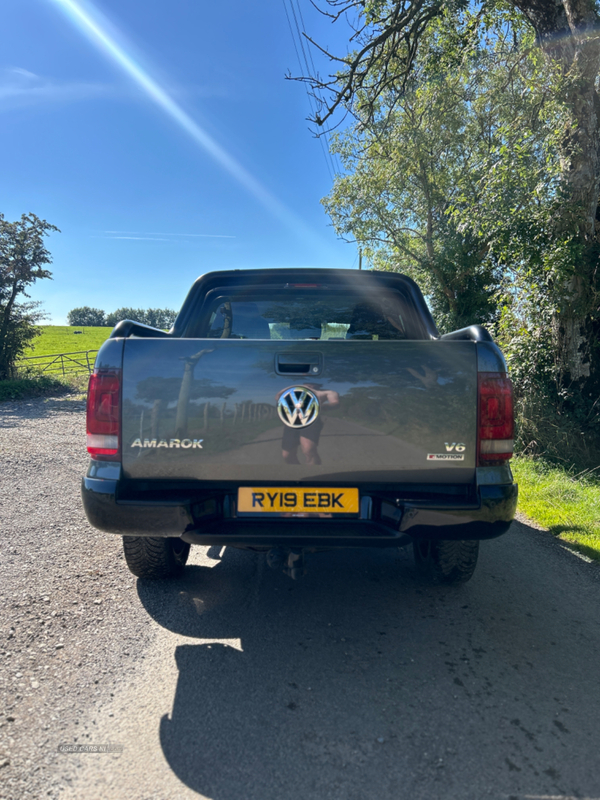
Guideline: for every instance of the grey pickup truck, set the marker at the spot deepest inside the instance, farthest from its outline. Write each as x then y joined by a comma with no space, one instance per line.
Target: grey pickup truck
292,411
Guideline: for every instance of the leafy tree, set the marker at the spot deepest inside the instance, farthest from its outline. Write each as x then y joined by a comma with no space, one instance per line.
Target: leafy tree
23,329
135,314
23,257
554,237
161,318
417,185
86,317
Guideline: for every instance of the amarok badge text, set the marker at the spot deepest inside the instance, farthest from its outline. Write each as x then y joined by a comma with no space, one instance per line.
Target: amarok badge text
185,443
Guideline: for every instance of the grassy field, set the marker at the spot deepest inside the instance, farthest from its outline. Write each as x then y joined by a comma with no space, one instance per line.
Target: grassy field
63,339
565,503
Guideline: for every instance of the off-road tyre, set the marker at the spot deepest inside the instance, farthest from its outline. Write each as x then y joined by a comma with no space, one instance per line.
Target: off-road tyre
154,557
444,561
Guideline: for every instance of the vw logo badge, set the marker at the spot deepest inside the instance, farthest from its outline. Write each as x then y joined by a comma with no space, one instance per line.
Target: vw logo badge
298,407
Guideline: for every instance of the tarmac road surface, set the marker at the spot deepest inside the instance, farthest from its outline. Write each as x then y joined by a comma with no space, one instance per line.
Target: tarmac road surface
236,683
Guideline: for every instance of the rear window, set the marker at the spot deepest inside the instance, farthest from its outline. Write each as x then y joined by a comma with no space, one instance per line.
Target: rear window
317,315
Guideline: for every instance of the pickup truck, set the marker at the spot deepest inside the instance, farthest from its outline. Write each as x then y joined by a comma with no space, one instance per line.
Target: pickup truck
292,411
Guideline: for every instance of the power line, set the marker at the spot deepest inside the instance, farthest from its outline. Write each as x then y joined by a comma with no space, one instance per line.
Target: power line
304,67
287,16
301,69
336,166
308,69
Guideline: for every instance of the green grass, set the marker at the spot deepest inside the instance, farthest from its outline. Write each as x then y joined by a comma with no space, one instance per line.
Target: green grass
62,339
566,503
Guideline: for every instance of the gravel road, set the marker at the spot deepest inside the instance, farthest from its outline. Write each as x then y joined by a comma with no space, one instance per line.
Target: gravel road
235,683
70,622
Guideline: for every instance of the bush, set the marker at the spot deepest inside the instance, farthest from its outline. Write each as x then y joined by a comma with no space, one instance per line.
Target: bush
553,420
23,327
35,386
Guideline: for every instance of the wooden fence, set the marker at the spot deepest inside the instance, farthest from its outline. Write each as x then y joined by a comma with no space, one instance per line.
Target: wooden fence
61,363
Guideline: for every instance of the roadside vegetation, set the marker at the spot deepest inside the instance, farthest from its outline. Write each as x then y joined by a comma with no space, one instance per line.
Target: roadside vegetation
28,381
22,388
562,500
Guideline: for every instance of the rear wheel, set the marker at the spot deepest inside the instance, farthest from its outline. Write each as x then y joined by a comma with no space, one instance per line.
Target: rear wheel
154,557
446,561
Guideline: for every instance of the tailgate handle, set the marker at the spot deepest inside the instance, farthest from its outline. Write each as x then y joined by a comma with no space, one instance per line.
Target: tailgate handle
298,363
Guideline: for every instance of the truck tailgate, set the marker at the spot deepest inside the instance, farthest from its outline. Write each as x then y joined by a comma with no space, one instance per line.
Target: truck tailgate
206,409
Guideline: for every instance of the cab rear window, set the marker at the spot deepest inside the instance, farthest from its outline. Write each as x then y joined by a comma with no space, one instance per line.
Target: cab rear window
313,315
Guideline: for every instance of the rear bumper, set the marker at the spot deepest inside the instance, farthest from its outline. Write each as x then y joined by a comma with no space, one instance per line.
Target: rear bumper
487,517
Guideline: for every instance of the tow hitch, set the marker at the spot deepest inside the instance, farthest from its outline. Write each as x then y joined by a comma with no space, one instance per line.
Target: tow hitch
290,561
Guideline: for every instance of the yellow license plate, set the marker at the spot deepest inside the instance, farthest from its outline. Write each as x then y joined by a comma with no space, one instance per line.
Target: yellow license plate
262,500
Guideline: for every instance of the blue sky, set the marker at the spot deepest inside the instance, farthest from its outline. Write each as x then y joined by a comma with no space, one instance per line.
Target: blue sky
164,142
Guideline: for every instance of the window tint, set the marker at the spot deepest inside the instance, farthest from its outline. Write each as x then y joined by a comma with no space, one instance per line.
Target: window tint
326,315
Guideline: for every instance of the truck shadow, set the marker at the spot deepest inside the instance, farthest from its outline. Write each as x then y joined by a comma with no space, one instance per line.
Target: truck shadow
363,682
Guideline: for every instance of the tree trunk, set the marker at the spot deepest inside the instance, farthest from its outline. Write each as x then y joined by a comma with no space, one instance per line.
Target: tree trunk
5,360
567,31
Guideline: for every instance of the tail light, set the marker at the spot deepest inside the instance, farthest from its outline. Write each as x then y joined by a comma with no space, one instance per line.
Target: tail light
104,415
496,427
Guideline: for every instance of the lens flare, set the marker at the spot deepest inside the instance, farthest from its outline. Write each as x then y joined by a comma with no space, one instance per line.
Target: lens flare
108,39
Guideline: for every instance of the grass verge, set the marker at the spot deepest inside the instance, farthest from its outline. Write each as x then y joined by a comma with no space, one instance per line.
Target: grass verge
42,385
566,503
